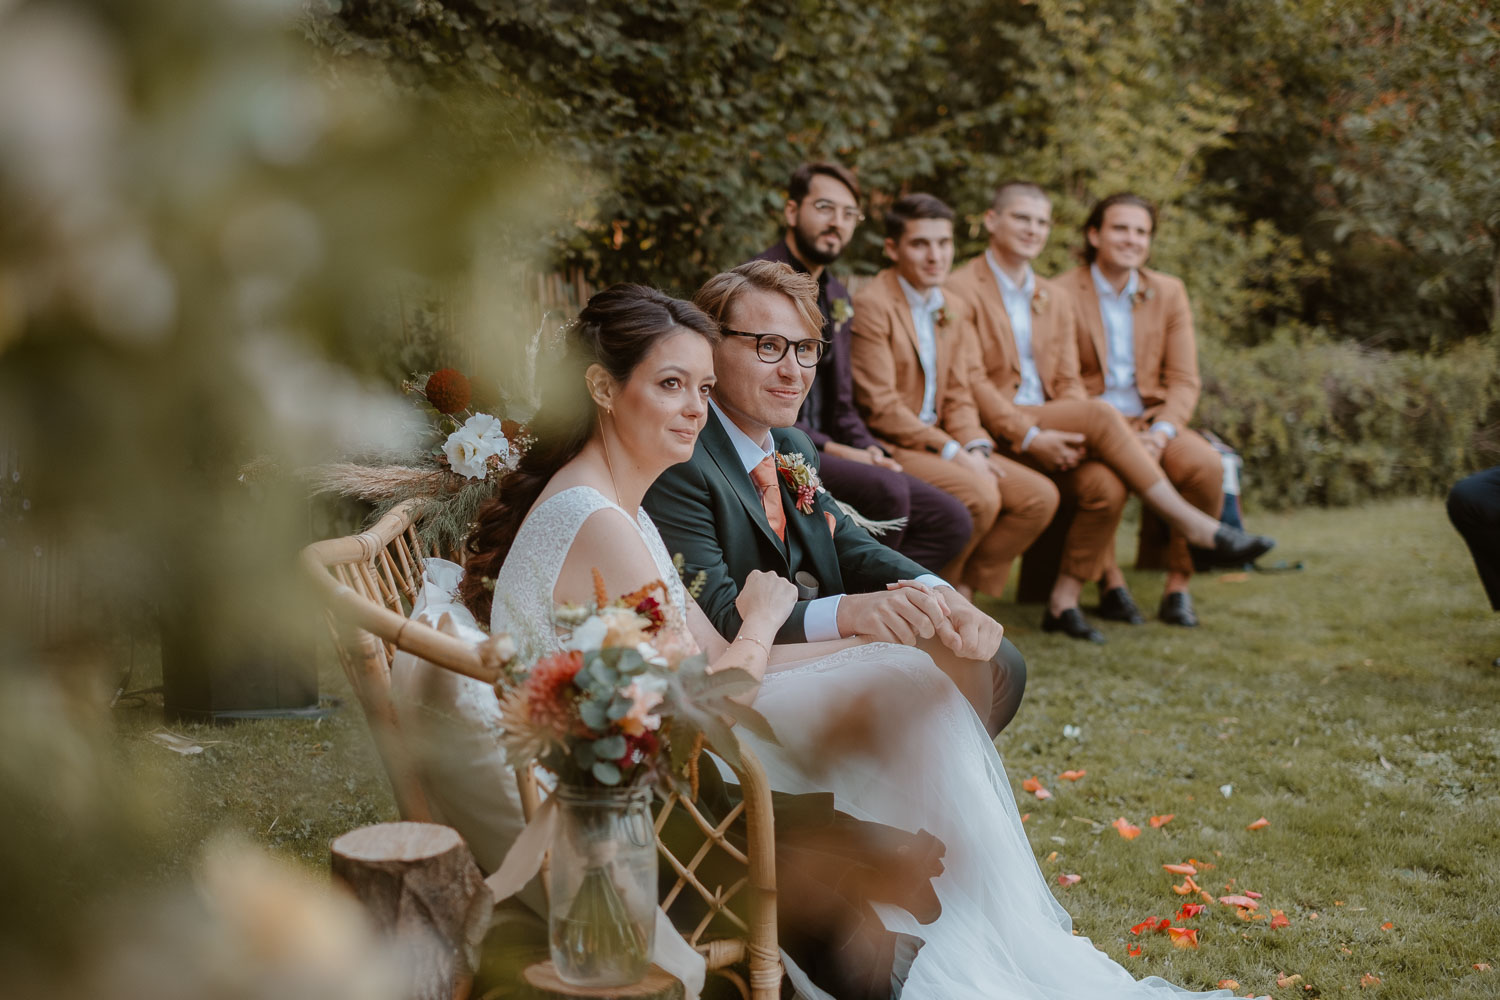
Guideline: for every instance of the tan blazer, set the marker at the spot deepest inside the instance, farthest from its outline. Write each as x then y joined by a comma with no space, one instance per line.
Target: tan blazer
995,361
1166,350
888,376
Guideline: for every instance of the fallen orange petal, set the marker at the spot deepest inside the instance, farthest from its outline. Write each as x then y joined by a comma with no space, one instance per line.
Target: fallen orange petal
1278,919
1183,937
1025,817
1133,950
1288,980
1031,784
1072,775
1160,821
1189,910
1387,926
1042,793
1206,897
1259,824
1244,901
1252,895
1127,829
1144,925
1202,864
1181,869
1069,879
1183,889
1050,858
1482,966
1228,984
1368,980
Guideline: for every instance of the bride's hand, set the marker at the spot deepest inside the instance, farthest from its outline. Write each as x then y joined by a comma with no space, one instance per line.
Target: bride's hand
764,603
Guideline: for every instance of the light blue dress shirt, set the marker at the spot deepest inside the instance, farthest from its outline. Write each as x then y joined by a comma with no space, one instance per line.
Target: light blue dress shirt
1118,312
1017,300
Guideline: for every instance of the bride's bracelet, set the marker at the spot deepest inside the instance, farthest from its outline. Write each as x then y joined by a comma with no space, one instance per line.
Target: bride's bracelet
751,638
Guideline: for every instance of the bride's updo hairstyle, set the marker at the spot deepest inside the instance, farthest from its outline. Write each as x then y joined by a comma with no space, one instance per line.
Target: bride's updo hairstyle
617,328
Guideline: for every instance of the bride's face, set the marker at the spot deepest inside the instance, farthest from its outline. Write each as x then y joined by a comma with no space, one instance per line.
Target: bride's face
662,406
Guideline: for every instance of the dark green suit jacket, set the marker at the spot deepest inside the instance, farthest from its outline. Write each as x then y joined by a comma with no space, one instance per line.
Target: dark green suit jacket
708,511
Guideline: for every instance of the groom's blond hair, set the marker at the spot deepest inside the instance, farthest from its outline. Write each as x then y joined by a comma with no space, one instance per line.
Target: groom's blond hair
719,293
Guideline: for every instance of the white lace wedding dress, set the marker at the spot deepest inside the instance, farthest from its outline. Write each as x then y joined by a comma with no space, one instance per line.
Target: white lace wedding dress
883,729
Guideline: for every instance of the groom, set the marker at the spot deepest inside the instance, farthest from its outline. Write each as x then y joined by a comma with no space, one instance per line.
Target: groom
749,499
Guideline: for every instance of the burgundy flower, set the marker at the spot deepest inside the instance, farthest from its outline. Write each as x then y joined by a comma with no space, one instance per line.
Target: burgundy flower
449,391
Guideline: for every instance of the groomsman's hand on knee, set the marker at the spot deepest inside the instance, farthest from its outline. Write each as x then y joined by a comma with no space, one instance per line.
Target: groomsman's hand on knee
901,614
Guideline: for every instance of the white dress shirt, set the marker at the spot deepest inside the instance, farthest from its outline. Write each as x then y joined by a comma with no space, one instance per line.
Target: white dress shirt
821,620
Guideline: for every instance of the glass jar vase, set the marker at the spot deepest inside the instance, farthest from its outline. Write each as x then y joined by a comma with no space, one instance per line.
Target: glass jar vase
602,885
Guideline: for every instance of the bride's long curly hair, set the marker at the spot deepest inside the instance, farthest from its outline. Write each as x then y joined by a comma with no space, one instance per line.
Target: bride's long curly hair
617,328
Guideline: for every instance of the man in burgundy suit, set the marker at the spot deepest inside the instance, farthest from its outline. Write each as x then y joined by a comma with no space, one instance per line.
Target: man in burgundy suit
822,209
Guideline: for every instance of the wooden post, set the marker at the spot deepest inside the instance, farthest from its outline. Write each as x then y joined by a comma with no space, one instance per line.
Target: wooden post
426,894
543,983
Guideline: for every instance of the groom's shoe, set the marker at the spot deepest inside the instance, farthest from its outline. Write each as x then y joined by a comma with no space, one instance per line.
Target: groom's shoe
1116,605
1072,623
1177,609
1232,547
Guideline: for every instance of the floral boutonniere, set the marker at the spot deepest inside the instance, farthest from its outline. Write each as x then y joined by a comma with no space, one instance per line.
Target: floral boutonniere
1142,295
1039,301
942,317
801,478
843,310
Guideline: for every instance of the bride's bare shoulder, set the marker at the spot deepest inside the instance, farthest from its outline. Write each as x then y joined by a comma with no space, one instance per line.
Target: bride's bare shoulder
609,543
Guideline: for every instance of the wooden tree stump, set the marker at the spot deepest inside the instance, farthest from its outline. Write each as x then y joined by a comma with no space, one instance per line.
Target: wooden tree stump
420,883
543,983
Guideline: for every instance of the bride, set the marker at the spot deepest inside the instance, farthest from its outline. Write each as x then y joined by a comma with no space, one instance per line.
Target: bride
876,724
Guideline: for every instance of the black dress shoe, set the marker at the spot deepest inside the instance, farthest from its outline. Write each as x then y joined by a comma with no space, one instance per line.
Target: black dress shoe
1072,623
1116,605
1177,609
1232,547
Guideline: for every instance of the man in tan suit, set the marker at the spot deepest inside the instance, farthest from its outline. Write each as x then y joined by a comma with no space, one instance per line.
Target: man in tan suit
1136,351
1024,378
910,387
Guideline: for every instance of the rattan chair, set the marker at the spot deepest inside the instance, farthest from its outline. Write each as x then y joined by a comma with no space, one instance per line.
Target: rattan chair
368,582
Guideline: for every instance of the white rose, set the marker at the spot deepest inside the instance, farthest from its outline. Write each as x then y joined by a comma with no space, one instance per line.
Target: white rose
589,635
469,448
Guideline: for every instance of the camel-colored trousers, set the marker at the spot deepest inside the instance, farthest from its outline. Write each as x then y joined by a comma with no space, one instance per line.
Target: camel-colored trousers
1009,512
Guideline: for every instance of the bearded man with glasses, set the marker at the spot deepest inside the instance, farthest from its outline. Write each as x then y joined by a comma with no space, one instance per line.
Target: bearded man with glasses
751,499
821,212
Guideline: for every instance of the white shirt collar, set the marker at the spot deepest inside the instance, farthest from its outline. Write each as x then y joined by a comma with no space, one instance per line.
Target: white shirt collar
1006,285
930,302
750,453
1104,288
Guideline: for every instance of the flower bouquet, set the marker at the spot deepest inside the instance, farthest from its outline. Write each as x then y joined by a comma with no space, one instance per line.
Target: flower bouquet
623,707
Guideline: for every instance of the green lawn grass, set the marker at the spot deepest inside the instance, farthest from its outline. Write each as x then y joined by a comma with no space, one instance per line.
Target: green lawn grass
1352,704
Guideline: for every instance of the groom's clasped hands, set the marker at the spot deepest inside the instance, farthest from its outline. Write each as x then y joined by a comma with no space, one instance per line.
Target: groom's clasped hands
909,610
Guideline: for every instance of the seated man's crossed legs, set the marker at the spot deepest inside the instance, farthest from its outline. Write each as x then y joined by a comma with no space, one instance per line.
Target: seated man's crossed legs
1196,471
1009,504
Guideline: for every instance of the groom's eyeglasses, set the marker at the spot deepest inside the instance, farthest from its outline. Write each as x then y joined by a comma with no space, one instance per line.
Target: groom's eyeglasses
772,347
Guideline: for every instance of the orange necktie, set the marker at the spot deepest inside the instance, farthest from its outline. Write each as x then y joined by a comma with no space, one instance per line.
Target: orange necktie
764,478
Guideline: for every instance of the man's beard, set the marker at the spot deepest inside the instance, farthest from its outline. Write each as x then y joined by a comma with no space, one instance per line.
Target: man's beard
809,251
